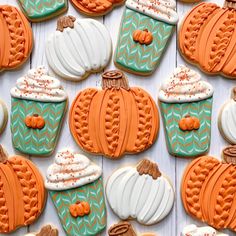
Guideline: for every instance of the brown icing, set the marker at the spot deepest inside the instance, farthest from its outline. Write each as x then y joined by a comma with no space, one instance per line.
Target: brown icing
48,231
65,22
35,121
231,4
123,228
209,190
146,167
16,38
229,154
143,36
114,121
207,37
189,123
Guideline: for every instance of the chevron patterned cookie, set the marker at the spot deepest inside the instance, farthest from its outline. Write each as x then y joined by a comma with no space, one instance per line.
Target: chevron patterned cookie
76,189
3,116
38,105
209,192
156,17
16,39
186,104
40,10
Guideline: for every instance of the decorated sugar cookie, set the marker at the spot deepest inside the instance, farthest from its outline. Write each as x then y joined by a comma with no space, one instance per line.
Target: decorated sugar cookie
76,188
38,105
206,38
78,48
209,191
115,120
144,33
140,192
186,104
227,119
3,116
16,38
193,230
47,230
22,193
229,154
94,7
41,10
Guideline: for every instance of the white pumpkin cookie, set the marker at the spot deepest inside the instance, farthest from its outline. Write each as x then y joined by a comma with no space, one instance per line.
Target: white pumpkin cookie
3,116
140,193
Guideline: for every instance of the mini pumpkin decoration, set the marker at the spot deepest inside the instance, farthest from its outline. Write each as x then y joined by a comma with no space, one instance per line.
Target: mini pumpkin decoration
143,36
22,193
115,120
189,123
35,121
207,37
80,209
16,38
209,192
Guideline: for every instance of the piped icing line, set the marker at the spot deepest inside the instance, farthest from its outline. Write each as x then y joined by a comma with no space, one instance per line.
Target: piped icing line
163,10
71,170
37,85
184,85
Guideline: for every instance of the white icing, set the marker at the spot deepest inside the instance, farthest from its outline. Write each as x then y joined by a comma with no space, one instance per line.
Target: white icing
185,85
139,196
228,121
71,170
3,115
193,230
37,85
76,52
30,234
163,10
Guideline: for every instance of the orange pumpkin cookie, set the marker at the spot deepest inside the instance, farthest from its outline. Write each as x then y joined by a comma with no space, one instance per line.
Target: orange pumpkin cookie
96,7
16,38
209,192
115,120
207,38
22,193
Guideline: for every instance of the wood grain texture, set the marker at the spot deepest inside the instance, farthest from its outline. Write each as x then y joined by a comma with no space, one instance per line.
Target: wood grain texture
172,225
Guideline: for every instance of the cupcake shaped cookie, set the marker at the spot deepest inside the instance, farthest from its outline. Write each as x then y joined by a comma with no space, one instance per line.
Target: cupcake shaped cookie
144,33
186,104
76,188
38,106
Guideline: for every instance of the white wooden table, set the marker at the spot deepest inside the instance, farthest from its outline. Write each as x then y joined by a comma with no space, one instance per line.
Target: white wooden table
173,167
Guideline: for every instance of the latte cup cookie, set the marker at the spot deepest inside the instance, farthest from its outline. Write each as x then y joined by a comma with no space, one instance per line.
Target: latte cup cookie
37,11
145,30
16,39
116,120
76,188
95,7
193,230
22,192
78,48
203,32
3,116
38,106
46,230
141,193
227,119
209,192
186,107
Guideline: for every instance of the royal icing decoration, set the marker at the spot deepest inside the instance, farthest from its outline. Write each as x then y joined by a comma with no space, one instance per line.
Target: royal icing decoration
79,209
35,121
207,37
229,154
140,193
143,36
78,48
47,230
115,120
189,123
16,38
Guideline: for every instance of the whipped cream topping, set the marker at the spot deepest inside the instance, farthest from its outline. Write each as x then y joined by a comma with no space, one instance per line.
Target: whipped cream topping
71,170
185,85
37,85
163,10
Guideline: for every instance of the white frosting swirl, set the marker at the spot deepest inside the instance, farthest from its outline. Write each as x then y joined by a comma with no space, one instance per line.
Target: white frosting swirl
163,10
193,230
71,170
185,85
38,86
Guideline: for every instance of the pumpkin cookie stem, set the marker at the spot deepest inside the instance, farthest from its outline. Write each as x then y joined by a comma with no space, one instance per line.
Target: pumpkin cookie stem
3,155
147,167
65,22
114,79
231,4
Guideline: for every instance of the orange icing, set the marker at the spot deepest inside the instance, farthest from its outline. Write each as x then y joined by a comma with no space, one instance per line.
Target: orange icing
16,38
114,120
207,37
79,209
35,121
143,36
22,193
209,192
189,123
